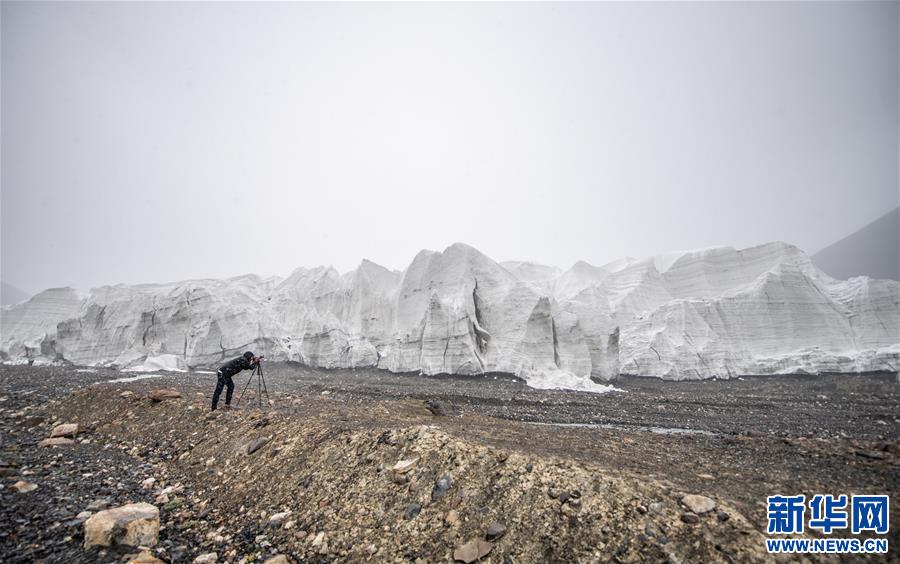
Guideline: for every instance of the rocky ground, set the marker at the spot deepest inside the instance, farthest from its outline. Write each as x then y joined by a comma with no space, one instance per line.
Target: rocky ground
324,473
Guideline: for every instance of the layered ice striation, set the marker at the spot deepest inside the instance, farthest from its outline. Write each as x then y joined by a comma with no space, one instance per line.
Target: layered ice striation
709,313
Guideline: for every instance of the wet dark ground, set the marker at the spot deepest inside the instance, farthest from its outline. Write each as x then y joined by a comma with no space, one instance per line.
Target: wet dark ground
740,439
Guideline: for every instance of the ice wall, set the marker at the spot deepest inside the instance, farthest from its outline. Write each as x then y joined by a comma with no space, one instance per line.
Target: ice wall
718,312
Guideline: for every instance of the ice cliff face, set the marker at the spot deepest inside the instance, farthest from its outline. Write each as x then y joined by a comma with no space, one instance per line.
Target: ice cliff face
712,313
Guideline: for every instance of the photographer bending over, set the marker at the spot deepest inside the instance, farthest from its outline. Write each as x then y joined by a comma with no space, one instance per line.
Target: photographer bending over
246,362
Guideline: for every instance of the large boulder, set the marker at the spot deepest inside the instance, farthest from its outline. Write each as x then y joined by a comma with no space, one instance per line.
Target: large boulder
699,504
56,441
135,524
161,395
64,430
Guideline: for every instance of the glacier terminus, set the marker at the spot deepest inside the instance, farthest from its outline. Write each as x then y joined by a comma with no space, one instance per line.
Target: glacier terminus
712,313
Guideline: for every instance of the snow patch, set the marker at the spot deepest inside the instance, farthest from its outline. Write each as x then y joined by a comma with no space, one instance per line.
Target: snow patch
127,379
166,362
563,380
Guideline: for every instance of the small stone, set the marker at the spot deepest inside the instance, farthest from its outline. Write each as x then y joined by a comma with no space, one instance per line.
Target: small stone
56,441
98,504
473,550
452,517
495,531
319,539
83,516
698,504
278,519
161,395
436,407
722,516
690,518
278,559
134,524
144,557
289,525
126,394
64,430
412,510
655,507
254,446
24,487
207,558
404,466
706,476
148,483
564,497
441,487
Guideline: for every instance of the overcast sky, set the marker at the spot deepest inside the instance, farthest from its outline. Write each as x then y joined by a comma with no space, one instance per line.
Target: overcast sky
163,141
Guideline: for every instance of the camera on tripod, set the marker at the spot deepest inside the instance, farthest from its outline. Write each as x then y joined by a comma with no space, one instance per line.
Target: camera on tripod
260,382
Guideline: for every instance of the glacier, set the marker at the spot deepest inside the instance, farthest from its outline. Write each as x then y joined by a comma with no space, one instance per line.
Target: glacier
710,313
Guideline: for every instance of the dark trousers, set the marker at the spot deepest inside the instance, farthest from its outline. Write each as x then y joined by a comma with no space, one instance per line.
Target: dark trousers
222,382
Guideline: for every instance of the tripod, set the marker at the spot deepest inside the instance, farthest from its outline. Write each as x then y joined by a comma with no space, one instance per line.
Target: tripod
260,384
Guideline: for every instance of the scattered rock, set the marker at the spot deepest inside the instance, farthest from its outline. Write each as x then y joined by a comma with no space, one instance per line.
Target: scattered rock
473,550
254,445
698,504
24,487
690,518
412,510
208,558
278,559
135,524
871,454
162,395
126,394
436,407
441,487
144,557
56,441
452,517
98,504
404,466
64,430
148,483
495,531
278,519
319,539
722,516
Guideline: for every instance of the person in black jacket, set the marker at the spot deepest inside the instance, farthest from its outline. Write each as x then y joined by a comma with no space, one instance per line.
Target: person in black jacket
245,362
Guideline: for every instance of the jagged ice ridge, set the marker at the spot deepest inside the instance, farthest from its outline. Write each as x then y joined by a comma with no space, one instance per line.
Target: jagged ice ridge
717,312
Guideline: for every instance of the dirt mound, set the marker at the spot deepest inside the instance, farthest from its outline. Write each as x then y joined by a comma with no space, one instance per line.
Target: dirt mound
321,485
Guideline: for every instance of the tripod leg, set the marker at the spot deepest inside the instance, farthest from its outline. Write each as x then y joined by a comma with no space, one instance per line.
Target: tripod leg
250,379
265,389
